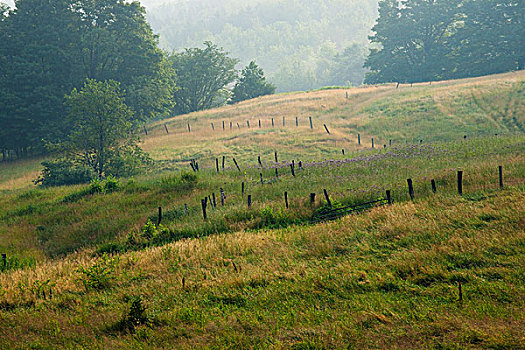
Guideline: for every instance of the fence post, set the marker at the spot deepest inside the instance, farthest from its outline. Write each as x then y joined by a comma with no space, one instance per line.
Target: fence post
312,199
145,130
237,165
259,160
390,143
186,209
286,199
410,189
4,260
166,127
222,197
189,127
223,160
296,121
276,160
273,124
359,139
248,123
389,196
372,142
500,168
203,204
311,124
284,121
214,202
276,173
231,125
293,172
242,188
433,184
217,164
262,182
326,128
460,182
160,216
223,125
249,201
212,126
327,198
238,126
343,150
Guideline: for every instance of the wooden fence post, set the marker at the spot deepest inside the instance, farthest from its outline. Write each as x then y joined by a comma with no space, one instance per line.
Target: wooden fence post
223,125
242,188
433,184
359,139
259,160
372,142
237,165
166,127
223,160
160,216
203,204
500,168
293,171
284,121
312,199
231,125
262,182
343,150
189,127
276,173
259,123
296,121
460,182
389,196
222,197
212,126
217,164
410,188
249,201
286,199
238,126
214,202
327,198
326,128
248,123
273,124
311,124
276,160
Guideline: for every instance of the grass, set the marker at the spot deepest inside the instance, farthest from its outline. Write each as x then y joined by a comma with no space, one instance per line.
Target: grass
93,270
384,279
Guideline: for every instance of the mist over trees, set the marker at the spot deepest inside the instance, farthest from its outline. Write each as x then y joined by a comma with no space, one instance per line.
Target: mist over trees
299,44
425,40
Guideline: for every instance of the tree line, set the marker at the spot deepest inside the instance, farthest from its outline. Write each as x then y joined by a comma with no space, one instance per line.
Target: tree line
427,40
51,48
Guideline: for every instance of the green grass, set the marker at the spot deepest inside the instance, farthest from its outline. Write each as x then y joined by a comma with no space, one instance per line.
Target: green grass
264,277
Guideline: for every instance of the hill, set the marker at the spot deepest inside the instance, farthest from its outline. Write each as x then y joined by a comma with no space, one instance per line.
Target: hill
89,266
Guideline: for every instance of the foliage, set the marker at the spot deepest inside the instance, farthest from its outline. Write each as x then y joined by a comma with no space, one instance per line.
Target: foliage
47,48
61,172
421,40
251,84
288,38
98,276
102,125
202,74
183,182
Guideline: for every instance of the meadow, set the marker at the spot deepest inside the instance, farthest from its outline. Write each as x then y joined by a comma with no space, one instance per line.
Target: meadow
92,270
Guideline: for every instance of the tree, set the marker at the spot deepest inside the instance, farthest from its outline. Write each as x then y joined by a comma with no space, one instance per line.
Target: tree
412,40
102,124
251,84
201,75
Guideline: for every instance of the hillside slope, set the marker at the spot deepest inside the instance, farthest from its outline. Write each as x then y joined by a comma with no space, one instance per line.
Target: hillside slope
385,279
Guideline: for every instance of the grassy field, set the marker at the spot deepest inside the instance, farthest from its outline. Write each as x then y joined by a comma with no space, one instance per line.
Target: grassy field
264,277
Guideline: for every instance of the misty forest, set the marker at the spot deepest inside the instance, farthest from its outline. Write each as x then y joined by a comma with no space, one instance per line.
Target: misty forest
264,174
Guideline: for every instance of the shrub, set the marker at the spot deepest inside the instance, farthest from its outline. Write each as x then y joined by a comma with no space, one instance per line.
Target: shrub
63,172
184,182
98,276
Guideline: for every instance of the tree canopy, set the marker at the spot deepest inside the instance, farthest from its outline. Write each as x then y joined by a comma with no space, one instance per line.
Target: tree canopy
50,47
425,40
251,84
202,74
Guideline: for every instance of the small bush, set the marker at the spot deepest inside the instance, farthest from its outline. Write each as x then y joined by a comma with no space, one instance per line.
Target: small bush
63,172
99,275
112,184
135,317
184,182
